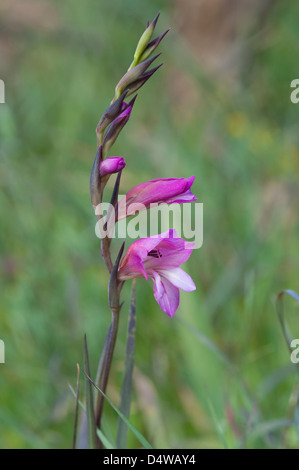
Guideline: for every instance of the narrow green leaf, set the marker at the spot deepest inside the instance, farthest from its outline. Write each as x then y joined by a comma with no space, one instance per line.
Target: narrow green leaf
217,423
74,393
269,427
126,389
76,409
91,426
132,428
104,440
273,380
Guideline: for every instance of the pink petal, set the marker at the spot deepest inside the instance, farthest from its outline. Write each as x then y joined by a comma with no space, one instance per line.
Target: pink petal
179,278
176,251
166,294
164,190
168,190
132,262
131,267
187,196
111,165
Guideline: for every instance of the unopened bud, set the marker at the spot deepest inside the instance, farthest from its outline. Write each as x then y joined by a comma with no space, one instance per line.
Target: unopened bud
95,181
152,46
144,40
142,80
114,129
132,75
111,113
111,165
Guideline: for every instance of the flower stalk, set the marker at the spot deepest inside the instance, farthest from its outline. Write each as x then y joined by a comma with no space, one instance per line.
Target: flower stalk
158,259
110,125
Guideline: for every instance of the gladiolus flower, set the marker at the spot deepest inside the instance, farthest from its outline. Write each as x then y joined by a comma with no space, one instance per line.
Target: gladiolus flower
111,165
169,190
159,258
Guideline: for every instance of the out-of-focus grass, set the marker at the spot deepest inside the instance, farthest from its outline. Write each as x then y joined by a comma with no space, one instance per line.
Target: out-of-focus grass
238,138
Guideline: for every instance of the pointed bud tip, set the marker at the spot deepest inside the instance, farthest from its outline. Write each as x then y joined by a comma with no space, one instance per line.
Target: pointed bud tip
149,61
155,56
131,103
154,22
150,72
126,113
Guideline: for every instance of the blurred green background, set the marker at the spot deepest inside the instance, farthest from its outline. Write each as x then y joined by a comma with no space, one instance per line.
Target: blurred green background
218,374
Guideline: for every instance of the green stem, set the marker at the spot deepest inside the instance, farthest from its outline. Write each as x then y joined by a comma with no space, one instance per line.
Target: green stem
106,360
126,388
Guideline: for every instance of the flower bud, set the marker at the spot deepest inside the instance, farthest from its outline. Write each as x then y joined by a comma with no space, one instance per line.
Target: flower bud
94,181
111,113
111,165
132,75
114,129
152,46
142,80
144,40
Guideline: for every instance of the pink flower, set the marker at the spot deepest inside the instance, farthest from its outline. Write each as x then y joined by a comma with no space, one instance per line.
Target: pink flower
111,165
169,190
159,258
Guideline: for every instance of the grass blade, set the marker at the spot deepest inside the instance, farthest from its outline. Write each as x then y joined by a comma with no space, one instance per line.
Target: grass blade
269,427
76,409
91,426
132,428
106,443
104,439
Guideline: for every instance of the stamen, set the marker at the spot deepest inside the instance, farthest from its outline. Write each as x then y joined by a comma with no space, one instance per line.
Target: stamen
155,254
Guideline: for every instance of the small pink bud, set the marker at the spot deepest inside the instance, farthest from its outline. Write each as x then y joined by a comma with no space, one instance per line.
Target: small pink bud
111,165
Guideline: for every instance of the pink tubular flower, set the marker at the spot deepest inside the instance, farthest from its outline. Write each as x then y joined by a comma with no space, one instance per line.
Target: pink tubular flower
111,165
159,258
169,190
